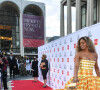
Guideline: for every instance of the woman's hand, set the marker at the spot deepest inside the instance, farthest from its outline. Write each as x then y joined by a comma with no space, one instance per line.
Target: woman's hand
41,66
75,80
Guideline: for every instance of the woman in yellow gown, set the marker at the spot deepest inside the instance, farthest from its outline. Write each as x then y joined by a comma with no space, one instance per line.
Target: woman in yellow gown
85,60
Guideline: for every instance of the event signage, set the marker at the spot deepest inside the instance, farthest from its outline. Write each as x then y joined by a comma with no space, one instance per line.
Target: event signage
33,30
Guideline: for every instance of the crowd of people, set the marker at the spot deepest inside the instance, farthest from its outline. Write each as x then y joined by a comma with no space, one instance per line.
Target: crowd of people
18,65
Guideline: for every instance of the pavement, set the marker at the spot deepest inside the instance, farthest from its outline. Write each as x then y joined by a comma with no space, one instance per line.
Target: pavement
17,77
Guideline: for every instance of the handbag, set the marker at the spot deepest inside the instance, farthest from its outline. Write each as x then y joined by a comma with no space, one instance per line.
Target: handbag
71,86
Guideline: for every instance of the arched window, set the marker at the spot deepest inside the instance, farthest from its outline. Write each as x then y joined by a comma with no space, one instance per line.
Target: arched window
9,29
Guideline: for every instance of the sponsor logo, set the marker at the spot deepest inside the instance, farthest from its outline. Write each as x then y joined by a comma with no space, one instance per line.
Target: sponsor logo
62,83
67,47
95,41
67,59
58,49
58,59
64,41
60,43
62,72
56,55
54,70
78,37
60,77
89,34
63,48
71,53
65,67
55,65
58,81
62,59
59,65
54,79
71,39
67,73
64,54
52,54
65,79
74,45
52,45
70,67
54,49
54,59
58,70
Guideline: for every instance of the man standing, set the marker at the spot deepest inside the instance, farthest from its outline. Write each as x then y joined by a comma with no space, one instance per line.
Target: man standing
12,65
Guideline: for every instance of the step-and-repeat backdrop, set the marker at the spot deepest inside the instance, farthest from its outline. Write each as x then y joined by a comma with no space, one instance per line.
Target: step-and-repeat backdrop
61,55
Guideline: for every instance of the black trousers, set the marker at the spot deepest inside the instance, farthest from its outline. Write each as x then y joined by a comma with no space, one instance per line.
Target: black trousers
5,80
44,73
12,70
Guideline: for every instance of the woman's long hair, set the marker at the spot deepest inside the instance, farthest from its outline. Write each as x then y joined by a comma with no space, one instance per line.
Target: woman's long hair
89,43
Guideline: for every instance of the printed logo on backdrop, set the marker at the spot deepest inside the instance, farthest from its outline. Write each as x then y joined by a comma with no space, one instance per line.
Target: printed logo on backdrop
64,54
71,67
60,43
55,75
52,45
59,65
95,41
52,74
71,40
60,77
55,44
59,54
89,34
52,54
65,66
65,79
52,64
78,37
71,53
56,55
55,86
64,41
55,65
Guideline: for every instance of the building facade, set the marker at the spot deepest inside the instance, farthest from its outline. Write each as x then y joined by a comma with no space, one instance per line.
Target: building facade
87,13
12,15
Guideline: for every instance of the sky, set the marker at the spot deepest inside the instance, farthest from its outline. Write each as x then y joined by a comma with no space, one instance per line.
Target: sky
52,8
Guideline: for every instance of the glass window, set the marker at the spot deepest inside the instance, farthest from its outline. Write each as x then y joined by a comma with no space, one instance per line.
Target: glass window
9,18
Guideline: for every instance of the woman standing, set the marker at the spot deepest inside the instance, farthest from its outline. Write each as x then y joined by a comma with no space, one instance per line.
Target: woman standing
85,60
44,68
35,69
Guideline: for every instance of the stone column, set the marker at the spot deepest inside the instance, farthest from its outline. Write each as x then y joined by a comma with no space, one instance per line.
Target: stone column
78,14
21,36
69,18
62,33
91,12
88,12
98,10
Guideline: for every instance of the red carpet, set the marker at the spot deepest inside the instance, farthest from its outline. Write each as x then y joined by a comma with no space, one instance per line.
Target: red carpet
28,85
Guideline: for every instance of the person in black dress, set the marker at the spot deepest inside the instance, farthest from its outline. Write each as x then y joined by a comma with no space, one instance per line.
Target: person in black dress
35,69
44,68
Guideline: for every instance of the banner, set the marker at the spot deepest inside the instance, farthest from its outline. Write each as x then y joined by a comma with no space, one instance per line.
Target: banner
61,55
33,30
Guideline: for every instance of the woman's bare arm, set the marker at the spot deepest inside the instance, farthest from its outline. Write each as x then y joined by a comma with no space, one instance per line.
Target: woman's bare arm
96,67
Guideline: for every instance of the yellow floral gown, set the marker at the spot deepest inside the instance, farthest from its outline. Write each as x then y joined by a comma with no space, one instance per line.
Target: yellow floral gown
85,76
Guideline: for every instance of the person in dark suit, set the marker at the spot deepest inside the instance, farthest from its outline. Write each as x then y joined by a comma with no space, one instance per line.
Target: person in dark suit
44,68
12,65
35,69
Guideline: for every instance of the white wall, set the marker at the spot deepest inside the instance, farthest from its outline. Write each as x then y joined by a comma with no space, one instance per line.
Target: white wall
60,54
